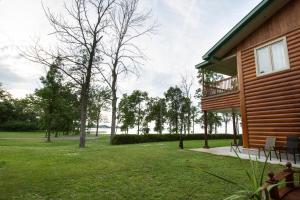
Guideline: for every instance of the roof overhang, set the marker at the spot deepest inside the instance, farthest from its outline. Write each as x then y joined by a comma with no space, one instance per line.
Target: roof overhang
225,66
260,14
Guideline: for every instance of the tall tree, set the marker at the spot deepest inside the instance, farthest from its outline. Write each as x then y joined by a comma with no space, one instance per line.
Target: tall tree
3,93
213,121
157,111
49,97
123,55
126,113
187,82
185,115
194,116
138,101
99,101
79,31
174,99
226,118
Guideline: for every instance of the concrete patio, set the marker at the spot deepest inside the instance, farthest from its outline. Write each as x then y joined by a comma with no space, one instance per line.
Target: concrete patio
225,151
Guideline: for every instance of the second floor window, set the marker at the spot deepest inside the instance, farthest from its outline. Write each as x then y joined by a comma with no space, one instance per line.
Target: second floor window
271,57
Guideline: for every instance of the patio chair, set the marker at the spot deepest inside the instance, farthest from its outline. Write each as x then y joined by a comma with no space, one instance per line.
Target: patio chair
269,146
237,146
291,147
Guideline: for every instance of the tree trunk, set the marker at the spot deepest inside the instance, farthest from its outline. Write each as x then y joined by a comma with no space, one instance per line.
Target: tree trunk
210,128
139,115
97,126
176,125
114,105
215,128
48,136
189,122
193,126
85,95
225,126
114,117
83,116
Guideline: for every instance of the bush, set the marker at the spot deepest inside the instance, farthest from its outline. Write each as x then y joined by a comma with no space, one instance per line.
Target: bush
133,139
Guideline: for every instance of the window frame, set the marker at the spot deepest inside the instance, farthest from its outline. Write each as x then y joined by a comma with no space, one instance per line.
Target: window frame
269,44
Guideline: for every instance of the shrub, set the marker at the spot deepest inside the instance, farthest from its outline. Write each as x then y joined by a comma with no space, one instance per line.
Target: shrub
133,139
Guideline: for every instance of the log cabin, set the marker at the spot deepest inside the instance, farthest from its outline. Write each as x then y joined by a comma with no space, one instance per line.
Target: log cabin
260,58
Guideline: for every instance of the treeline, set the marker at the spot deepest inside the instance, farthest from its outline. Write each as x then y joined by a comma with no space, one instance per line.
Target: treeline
172,113
55,107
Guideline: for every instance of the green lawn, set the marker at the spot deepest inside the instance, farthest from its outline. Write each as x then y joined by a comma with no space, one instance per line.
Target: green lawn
33,169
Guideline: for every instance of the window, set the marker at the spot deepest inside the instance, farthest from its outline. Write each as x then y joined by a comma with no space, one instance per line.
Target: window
271,57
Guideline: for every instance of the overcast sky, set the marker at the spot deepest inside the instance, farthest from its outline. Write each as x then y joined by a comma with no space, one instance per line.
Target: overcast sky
188,28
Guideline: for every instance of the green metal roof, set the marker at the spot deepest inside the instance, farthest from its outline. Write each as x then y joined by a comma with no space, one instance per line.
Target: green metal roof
257,10
202,64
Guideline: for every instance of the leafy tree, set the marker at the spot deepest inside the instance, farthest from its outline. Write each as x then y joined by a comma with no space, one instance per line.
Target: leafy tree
99,101
157,112
226,118
194,116
138,101
206,76
17,115
4,95
187,82
59,106
49,95
132,110
126,113
185,115
174,99
213,121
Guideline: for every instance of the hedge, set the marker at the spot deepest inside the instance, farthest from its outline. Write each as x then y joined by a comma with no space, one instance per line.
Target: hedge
133,139
18,126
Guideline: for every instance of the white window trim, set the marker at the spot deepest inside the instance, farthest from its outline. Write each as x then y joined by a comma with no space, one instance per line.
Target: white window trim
287,61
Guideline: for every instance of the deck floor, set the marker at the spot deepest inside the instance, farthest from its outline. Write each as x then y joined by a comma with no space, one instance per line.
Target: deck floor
225,151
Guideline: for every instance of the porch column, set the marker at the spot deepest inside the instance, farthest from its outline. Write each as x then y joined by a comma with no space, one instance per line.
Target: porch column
205,131
234,128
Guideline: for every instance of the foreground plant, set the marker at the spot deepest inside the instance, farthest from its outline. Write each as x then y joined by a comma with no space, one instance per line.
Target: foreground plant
254,190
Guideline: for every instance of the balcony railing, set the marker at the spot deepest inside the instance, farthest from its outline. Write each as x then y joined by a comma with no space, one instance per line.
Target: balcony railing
223,86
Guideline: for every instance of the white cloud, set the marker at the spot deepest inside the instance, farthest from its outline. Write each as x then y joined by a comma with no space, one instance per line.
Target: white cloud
187,29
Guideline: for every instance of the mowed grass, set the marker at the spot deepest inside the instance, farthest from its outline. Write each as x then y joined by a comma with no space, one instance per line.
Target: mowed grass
34,169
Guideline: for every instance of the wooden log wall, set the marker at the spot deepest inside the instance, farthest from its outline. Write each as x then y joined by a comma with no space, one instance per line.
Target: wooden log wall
272,102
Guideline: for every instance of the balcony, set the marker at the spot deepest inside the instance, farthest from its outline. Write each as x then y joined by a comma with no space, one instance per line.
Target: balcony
221,95
224,86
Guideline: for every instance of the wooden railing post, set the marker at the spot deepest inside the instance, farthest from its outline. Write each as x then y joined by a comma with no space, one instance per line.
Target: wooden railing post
274,192
289,179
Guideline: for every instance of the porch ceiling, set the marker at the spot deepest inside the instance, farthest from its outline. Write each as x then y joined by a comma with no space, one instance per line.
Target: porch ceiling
226,66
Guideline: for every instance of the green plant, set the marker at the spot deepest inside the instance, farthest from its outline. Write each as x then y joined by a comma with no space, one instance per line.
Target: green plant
254,189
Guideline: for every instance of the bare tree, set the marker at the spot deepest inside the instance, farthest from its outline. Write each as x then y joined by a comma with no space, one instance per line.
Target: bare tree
187,82
124,56
79,32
